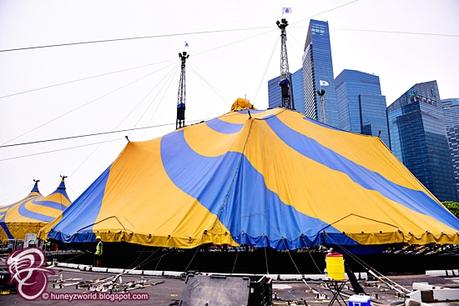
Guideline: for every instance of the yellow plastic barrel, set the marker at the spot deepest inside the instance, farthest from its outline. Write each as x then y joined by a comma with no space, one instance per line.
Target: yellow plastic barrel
335,266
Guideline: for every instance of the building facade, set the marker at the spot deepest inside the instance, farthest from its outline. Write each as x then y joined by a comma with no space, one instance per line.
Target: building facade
418,138
317,67
451,113
274,91
361,107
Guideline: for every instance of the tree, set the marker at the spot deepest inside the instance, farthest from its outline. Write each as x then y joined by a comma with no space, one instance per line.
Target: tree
453,207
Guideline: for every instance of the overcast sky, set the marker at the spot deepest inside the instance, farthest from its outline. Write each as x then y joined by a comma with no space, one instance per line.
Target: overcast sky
223,66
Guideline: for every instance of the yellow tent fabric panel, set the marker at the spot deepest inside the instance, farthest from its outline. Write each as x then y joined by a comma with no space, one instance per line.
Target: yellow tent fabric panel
208,141
174,219
367,151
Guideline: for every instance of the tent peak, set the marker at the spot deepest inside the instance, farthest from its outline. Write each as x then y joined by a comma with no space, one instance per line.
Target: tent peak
241,103
62,184
61,189
35,186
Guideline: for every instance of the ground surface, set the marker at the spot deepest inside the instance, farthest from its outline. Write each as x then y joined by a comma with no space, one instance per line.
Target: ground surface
171,288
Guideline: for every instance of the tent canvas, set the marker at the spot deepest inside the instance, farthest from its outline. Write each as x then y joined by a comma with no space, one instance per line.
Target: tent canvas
32,213
269,178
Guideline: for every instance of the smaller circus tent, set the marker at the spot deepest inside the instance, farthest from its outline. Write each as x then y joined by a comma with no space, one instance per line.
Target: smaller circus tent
33,212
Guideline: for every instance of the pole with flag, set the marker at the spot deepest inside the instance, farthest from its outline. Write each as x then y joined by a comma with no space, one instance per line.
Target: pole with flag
286,10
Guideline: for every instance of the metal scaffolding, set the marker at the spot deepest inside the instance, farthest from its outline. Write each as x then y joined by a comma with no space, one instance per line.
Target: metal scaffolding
285,77
181,99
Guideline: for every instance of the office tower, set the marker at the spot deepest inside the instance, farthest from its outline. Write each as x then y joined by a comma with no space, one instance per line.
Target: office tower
451,113
318,74
361,107
418,138
274,91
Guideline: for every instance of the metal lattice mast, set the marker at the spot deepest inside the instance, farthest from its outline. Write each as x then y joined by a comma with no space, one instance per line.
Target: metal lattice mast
181,98
285,76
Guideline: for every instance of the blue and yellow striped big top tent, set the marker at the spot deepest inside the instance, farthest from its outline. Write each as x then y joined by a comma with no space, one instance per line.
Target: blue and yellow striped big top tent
261,178
32,213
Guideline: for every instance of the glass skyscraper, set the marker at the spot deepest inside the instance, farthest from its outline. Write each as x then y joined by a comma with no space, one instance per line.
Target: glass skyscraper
418,138
451,113
274,91
317,67
361,107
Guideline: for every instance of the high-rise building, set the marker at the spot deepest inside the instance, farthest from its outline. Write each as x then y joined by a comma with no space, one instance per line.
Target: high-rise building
418,138
274,91
361,107
318,72
451,113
